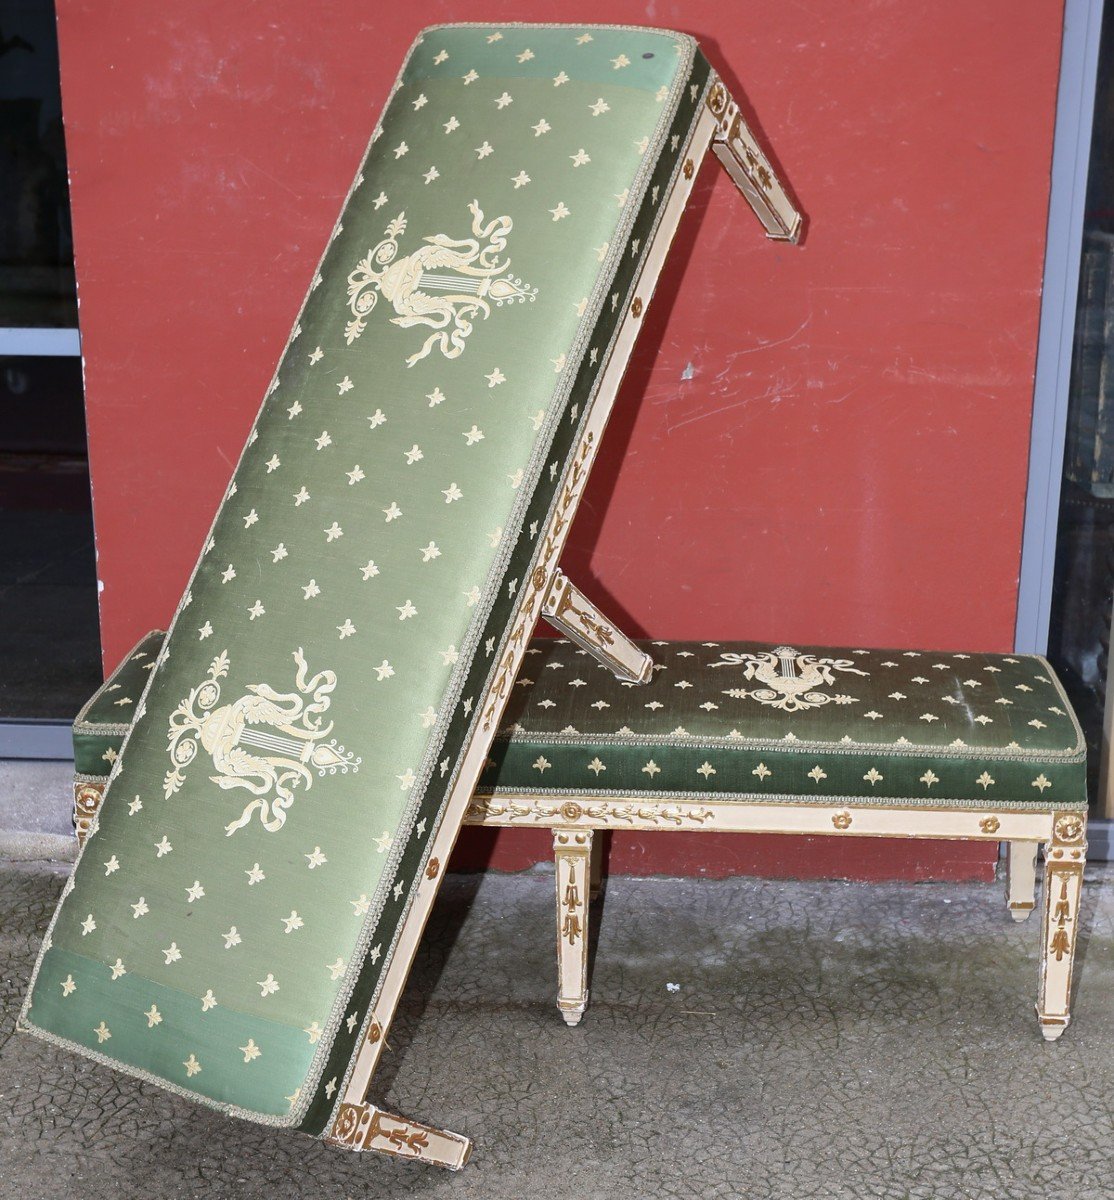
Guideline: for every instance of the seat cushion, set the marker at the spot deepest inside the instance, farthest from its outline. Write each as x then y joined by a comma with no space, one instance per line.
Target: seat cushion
752,721
100,727
269,817
552,716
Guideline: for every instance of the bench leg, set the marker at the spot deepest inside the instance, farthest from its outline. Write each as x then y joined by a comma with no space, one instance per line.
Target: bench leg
572,849
738,150
567,608
1064,860
1021,878
366,1127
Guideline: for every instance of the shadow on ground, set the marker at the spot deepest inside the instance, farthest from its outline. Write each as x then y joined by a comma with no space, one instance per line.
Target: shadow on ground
825,1041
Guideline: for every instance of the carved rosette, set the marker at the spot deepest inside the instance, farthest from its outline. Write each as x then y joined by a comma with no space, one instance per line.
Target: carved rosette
1069,829
1066,853
350,1127
87,799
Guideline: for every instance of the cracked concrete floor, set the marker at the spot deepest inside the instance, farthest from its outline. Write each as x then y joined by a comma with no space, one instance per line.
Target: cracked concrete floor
827,1041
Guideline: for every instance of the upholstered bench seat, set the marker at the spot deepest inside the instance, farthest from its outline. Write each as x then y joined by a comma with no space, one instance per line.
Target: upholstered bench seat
101,726
750,721
747,721
756,737
747,736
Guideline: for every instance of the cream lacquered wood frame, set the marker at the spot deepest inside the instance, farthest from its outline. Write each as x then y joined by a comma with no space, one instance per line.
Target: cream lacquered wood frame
359,1123
575,819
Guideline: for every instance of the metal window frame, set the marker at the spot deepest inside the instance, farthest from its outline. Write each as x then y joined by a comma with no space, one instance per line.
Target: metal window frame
36,342
1071,151
38,739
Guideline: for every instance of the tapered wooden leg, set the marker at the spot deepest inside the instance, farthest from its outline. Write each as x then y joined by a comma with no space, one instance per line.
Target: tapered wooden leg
366,1127
1064,858
567,608
1021,878
572,850
737,148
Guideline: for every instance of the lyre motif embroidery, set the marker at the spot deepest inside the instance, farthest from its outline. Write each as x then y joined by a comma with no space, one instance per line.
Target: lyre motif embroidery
267,742
443,284
791,678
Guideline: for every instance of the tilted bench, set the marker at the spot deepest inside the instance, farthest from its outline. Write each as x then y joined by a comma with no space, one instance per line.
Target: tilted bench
754,738
234,930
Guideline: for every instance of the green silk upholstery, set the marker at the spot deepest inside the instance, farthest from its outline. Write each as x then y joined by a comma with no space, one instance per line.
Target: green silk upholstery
572,727
99,729
268,818
755,722
986,708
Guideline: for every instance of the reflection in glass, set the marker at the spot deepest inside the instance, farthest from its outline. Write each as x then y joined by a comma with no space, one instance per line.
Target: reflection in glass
36,246
1079,637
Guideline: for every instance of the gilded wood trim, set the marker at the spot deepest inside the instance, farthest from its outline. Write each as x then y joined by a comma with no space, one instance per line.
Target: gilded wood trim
842,818
572,852
1065,857
366,1127
87,798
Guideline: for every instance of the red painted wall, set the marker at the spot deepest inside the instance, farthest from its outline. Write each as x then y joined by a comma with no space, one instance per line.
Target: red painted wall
826,443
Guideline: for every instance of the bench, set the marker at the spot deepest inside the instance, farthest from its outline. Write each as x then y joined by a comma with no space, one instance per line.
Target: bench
754,738
358,614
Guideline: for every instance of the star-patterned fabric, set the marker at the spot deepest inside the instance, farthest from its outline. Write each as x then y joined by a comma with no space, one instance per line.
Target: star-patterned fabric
981,730
270,813
99,729
755,721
